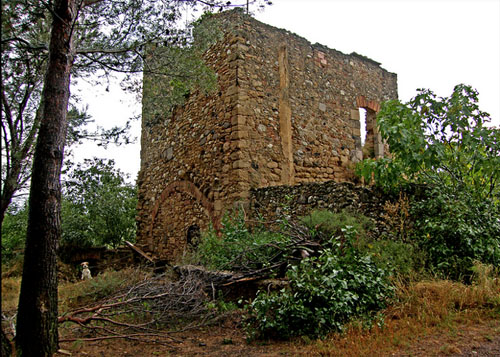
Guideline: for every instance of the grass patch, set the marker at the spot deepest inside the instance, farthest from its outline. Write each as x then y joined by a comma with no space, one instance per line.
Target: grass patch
72,295
433,300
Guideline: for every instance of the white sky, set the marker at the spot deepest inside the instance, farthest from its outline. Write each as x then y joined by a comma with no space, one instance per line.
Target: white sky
434,44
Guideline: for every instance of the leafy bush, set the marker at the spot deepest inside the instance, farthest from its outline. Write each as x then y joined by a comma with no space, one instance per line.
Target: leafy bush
399,257
330,223
325,292
455,231
238,245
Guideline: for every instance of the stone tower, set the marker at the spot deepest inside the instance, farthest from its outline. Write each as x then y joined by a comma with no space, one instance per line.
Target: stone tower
285,112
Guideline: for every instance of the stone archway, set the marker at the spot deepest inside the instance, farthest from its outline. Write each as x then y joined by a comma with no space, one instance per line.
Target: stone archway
194,192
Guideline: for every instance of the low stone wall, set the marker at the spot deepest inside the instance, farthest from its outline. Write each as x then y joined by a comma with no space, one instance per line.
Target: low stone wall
99,259
300,200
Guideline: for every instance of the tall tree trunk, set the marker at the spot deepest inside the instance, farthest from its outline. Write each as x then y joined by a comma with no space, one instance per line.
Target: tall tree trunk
37,314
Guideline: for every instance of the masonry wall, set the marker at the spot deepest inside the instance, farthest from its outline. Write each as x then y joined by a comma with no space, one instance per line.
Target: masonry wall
285,112
302,199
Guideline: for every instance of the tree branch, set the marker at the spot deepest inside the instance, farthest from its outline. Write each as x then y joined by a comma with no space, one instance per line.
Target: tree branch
111,68
86,51
8,113
86,3
28,45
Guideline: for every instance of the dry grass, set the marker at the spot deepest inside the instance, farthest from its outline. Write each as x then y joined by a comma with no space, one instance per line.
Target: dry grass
73,295
13,269
422,309
397,215
10,293
434,299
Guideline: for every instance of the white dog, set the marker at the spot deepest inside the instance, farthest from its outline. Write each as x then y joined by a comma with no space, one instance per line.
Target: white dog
86,271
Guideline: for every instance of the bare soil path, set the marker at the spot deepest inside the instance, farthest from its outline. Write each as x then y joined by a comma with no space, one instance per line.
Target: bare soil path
478,339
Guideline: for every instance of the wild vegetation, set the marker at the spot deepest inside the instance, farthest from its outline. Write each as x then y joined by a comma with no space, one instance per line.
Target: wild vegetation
238,246
429,316
307,305
98,205
375,299
98,209
444,146
441,151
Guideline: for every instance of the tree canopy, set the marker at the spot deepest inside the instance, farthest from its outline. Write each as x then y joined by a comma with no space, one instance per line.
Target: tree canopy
24,45
439,141
108,37
98,209
445,147
98,205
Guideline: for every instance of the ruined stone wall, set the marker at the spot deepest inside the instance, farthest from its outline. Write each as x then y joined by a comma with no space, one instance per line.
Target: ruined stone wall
284,112
300,200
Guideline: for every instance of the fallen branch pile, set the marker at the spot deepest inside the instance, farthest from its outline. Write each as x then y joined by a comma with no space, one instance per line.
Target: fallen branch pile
299,241
248,265
141,312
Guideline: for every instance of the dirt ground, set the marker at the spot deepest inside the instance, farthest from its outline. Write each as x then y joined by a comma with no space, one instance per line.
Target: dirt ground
477,340
481,339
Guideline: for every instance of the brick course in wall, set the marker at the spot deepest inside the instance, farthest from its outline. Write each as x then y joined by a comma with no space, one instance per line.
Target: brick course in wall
285,112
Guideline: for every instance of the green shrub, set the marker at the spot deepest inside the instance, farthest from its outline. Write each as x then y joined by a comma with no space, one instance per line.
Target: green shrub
238,246
455,230
446,145
404,260
325,292
330,224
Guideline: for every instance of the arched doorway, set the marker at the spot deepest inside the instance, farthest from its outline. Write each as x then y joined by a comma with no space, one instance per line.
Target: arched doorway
179,207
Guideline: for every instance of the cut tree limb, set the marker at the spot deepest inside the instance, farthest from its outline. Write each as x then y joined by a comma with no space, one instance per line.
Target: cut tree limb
139,251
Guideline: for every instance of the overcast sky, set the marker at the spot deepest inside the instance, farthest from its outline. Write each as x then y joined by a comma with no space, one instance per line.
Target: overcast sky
434,44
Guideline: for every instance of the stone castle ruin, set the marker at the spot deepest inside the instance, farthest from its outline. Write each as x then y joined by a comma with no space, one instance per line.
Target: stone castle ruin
285,112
